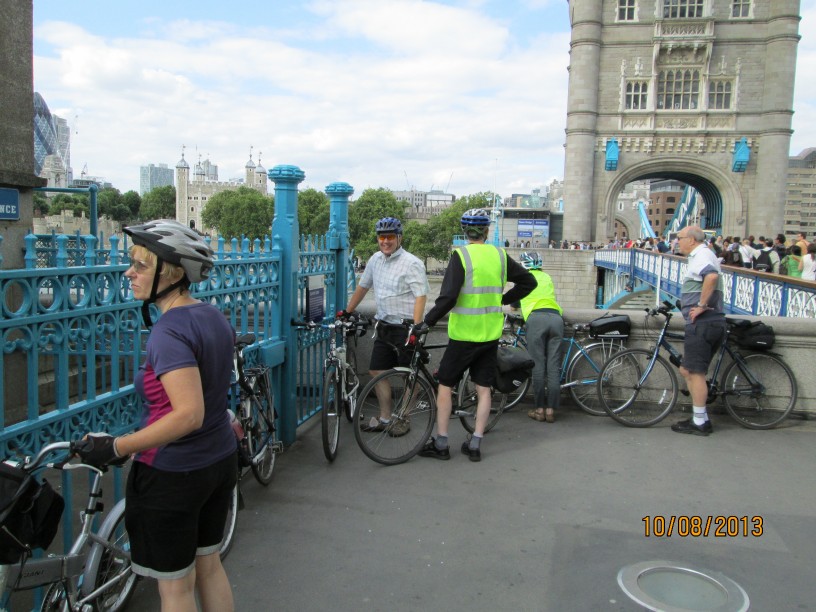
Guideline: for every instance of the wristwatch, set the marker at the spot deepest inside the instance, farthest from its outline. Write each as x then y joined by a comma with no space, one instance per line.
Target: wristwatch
701,305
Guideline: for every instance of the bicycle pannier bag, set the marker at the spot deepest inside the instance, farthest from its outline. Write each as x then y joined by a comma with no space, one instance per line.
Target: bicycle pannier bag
513,366
30,512
753,335
610,325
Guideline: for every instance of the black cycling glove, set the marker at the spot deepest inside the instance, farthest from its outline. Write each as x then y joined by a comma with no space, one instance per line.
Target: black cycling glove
97,449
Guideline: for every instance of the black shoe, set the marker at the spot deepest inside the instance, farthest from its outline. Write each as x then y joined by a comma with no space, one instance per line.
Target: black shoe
474,454
689,427
430,450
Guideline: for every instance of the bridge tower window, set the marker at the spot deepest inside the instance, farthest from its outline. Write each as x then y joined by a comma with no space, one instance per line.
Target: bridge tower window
741,8
719,95
678,89
626,10
682,9
637,93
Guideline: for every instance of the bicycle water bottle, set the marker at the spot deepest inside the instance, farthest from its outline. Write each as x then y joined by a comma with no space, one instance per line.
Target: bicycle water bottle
236,425
341,354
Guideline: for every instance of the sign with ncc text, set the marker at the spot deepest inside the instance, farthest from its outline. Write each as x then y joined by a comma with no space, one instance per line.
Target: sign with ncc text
9,204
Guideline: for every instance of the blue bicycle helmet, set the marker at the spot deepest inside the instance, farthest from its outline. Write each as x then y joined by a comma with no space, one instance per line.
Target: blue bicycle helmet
531,260
475,223
389,225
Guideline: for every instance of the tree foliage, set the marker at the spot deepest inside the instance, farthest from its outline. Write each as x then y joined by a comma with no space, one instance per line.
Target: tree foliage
372,205
240,212
40,204
76,203
159,203
133,201
313,212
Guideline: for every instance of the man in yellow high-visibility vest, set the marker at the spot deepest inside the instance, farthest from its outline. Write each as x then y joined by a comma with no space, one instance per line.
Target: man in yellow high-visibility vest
472,292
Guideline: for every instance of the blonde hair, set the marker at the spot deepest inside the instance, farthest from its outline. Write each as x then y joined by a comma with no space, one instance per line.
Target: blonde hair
169,270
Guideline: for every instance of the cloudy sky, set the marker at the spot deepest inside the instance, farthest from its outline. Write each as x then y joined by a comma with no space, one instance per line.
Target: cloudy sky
462,95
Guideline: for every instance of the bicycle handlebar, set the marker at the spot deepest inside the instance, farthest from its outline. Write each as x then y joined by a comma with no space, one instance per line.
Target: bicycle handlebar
73,447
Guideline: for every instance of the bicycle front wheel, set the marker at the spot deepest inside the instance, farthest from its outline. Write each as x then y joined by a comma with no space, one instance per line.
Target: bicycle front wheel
631,402
582,376
229,525
765,405
114,573
330,413
412,406
467,400
261,430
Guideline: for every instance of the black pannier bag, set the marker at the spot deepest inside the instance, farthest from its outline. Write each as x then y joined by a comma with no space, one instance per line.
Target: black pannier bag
30,512
753,335
513,366
610,325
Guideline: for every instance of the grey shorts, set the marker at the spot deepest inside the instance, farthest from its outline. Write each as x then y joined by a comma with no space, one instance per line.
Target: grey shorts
703,339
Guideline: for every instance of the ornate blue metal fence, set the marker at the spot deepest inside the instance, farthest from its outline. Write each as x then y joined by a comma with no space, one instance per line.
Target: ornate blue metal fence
72,336
746,291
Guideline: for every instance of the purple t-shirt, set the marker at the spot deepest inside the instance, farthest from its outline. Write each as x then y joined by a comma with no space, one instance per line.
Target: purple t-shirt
200,336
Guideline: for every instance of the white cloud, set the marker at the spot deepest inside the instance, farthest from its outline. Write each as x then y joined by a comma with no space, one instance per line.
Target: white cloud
404,87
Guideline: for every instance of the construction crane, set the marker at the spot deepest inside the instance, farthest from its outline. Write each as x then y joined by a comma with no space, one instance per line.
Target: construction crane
407,182
449,182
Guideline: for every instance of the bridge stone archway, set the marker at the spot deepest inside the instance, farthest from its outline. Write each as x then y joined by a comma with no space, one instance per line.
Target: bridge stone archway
724,202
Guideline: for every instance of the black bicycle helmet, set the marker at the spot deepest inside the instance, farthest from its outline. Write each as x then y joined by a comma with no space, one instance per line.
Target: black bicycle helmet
531,260
389,225
177,244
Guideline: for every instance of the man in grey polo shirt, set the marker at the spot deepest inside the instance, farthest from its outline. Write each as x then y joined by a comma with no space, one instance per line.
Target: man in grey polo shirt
701,299
401,289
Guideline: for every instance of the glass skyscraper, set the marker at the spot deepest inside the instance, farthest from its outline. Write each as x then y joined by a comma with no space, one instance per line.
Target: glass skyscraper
52,137
152,176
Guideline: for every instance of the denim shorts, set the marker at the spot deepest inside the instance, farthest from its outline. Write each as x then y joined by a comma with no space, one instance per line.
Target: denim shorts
703,339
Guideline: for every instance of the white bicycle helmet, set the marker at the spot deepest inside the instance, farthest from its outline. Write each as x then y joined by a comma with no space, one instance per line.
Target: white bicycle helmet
175,243
531,260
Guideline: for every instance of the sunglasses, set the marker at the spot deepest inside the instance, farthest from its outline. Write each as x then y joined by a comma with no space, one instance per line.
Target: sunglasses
384,237
140,266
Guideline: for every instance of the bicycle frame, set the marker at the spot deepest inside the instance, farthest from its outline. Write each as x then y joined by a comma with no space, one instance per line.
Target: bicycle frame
77,570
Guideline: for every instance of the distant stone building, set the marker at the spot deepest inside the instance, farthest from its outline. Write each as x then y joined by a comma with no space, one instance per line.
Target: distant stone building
192,192
800,199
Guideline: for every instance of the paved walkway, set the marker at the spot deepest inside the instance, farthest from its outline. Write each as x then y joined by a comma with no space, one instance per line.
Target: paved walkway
544,522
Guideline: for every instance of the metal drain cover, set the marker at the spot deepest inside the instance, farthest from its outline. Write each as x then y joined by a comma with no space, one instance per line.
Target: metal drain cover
674,587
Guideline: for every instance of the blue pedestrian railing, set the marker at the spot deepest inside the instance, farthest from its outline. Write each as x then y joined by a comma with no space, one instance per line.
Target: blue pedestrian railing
747,292
72,334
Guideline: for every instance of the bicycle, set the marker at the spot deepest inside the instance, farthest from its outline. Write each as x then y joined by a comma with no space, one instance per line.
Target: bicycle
580,364
340,381
254,427
638,388
96,573
413,400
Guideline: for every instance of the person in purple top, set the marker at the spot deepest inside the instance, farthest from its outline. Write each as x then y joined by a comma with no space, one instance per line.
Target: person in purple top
185,460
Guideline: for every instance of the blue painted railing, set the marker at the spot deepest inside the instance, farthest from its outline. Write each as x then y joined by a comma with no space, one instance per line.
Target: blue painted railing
747,292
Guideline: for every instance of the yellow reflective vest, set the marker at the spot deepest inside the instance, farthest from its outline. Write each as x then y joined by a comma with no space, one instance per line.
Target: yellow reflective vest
477,315
543,296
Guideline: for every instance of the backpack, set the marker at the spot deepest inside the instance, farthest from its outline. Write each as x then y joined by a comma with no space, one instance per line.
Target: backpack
733,258
762,262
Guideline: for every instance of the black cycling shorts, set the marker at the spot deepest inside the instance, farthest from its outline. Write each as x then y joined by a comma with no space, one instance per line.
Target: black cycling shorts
479,357
389,348
171,517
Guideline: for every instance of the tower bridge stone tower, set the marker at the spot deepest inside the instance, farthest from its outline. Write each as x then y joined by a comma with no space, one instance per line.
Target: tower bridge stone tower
668,89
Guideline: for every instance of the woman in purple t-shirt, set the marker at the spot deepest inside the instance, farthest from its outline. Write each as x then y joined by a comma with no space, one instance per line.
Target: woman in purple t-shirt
185,462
